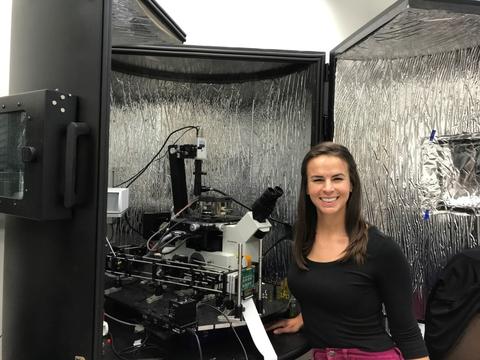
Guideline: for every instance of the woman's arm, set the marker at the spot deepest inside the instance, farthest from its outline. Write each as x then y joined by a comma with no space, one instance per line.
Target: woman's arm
395,286
287,325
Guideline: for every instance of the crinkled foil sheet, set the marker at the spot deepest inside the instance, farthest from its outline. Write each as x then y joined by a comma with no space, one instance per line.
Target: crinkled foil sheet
133,24
386,109
419,32
257,134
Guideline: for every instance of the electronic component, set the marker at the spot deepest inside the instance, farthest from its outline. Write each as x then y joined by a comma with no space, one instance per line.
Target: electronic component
247,279
201,149
182,314
117,201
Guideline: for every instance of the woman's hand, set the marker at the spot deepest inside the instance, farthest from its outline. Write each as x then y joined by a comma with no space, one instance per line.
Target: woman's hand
287,325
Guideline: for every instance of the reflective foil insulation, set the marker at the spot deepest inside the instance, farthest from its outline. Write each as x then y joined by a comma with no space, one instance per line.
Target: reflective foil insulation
407,104
136,22
257,132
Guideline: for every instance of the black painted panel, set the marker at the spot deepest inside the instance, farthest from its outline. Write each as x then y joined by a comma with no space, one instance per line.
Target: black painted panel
53,290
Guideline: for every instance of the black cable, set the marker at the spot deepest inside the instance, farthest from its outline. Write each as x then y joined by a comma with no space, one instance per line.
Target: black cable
248,208
115,352
133,178
231,325
281,222
167,230
164,243
178,246
174,249
283,238
234,200
200,353
176,141
131,226
131,350
135,348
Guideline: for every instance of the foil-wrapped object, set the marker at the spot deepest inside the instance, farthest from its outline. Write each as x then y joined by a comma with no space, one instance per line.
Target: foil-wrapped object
451,173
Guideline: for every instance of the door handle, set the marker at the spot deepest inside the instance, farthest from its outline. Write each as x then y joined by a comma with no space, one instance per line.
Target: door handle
74,131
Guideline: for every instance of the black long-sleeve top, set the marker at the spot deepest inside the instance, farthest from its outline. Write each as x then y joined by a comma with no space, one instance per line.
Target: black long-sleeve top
341,302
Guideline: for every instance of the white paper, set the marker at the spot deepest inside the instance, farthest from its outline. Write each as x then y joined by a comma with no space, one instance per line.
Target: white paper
257,330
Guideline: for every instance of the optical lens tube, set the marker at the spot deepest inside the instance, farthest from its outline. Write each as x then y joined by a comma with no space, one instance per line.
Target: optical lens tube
263,206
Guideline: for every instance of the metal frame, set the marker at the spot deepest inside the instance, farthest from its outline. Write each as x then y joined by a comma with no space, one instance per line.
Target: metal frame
165,19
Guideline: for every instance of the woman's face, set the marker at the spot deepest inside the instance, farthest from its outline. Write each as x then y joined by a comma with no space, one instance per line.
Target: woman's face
328,185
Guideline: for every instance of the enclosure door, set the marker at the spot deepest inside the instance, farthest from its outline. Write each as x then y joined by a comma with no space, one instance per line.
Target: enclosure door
53,286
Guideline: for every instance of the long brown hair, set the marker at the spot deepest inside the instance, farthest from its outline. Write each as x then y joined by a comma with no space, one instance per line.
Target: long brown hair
355,225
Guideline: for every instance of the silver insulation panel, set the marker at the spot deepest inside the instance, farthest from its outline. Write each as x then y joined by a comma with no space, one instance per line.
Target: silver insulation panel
133,23
257,134
412,122
419,32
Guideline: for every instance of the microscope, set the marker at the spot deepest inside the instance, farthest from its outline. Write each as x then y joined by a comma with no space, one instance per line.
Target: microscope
203,253
220,239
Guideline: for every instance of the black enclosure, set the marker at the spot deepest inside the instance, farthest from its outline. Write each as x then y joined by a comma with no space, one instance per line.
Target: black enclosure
53,269
34,160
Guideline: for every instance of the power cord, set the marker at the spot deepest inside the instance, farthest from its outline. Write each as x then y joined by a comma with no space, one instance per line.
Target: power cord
199,345
136,347
123,322
114,350
165,228
283,238
134,178
245,206
125,217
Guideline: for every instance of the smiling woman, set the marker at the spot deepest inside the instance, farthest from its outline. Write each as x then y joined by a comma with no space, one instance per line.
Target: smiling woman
346,269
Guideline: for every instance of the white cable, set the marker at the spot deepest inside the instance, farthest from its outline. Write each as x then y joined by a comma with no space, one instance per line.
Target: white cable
110,245
121,321
185,207
164,225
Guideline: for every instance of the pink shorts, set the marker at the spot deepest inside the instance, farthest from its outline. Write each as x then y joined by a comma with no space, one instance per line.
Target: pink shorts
356,354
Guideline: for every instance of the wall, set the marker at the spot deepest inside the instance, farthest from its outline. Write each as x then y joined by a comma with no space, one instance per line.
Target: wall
315,25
